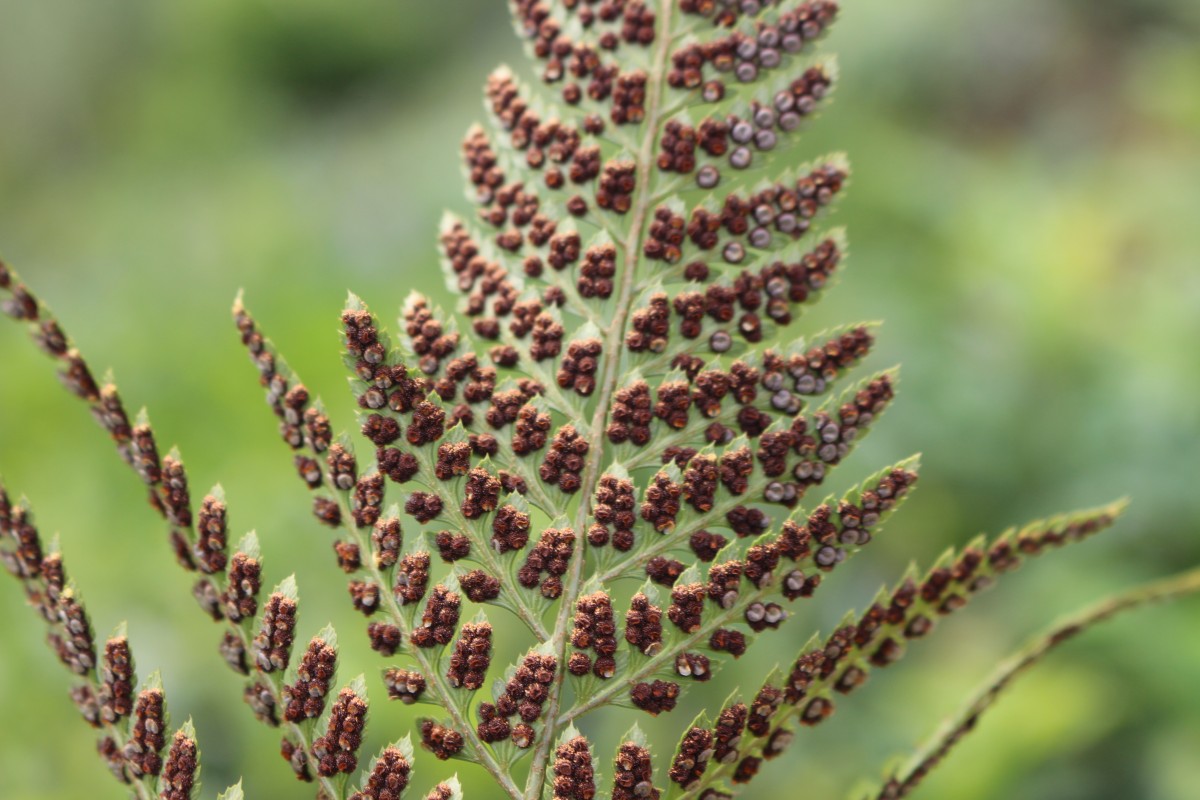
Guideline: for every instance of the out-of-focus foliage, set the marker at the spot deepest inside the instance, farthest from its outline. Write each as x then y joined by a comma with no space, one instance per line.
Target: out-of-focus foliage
1023,216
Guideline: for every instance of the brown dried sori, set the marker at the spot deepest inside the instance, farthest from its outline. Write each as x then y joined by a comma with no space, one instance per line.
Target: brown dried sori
624,369
337,750
305,699
471,657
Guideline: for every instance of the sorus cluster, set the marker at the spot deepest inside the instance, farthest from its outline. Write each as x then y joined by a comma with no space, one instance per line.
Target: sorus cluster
656,697
471,657
564,462
613,508
550,556
693,756
661,503
595,629
633,777
525,693
240,598
305,699
404,685
146,740
443,742
481,493
574,775
530,433
439,619
630,415
597,271
687,606
479,587
411,578
388,779
643,625
510,529
273,643
451,546
578,369
337,750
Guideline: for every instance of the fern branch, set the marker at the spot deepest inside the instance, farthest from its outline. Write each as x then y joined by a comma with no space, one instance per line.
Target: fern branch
1165,590
843,661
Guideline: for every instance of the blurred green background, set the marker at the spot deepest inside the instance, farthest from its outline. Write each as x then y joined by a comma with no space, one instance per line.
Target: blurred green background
1025,216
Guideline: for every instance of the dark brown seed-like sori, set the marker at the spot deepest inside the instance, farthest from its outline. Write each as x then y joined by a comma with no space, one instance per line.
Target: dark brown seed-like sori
510,529
305,699
693,665
664,571
440,792
240,598
385,638
727,734
349,556
273,643
89,707
116,681
439,619
453,546
388,779
479,587
423,506
404,685
596,630
297,759
233,650
367,500
399,466
209,550
630,415
179,773
492,726
443,742
661,503
481,493
453,460
695,751
261,700
655,698
765,704
526,692
337,750
727,640
412,578
146,737
700,482
564,462
687,606
643,625
552,555
327,511
633,777
613,506
574,774
471,657
577,370
386,539
365,596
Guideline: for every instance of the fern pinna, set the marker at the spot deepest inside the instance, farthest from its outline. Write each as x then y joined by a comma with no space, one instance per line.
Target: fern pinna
616,439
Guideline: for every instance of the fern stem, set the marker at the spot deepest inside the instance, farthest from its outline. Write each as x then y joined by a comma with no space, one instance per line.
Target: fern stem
953,730
614,336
